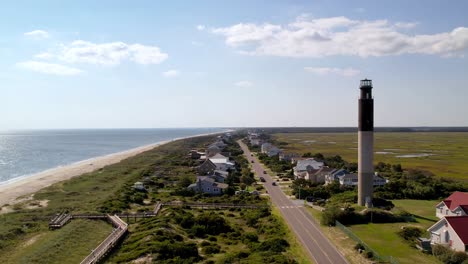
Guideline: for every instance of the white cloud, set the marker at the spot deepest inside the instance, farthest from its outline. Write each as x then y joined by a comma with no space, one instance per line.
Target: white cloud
44,56
48,68
201,27
171,73
38,34
347,72
112,53
244,84
333,36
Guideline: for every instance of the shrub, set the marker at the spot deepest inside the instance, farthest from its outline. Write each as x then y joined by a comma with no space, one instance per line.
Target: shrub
275,245
410,233
212,249
359,246
369,254
250,237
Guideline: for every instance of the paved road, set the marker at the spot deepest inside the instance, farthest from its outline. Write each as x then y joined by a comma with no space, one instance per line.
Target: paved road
301,222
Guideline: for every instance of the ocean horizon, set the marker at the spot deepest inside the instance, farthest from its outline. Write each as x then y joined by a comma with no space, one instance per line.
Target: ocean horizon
24,153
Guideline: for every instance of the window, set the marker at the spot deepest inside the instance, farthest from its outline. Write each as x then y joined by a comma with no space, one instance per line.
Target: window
215,189
446,211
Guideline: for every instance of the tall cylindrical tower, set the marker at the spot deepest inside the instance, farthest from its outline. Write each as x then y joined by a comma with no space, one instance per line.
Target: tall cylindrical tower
366,144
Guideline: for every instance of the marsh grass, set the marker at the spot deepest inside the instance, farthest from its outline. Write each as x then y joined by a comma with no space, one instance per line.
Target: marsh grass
449,150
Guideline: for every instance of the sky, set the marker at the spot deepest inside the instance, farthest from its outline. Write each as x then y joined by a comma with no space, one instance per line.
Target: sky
151,64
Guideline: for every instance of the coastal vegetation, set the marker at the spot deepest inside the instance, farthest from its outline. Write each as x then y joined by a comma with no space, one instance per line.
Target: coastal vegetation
176,235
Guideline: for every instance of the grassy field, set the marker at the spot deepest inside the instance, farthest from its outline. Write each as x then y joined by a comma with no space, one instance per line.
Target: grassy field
388,243
445,153
54,246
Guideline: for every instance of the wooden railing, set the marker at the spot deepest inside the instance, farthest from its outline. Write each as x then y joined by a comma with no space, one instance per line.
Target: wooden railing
120,228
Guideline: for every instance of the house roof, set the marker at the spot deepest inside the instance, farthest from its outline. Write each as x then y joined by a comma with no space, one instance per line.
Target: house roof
218,156
456,199
349,176
303,164
459,225
220,185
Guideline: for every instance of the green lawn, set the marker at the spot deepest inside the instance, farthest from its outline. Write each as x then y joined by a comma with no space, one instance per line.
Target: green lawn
383,238
423,211
448,151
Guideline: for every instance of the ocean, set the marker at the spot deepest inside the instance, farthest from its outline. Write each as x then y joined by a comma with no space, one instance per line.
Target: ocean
27,152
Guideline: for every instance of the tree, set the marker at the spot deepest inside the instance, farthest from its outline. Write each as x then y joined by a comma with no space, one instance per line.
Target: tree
184,181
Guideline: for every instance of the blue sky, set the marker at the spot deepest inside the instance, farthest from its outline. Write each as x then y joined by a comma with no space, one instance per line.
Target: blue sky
116,64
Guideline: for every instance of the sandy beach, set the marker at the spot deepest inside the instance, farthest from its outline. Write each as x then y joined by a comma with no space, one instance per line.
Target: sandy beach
10,191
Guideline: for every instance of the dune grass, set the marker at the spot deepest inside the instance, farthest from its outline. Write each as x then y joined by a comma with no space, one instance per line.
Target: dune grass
447,150
55,246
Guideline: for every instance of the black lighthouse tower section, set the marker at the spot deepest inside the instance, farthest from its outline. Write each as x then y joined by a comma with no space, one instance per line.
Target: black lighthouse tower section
366,106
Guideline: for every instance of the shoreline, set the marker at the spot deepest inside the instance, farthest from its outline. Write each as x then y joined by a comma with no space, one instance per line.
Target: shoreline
12,189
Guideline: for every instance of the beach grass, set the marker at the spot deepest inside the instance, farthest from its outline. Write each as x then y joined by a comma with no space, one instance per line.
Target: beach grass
444,152
66,245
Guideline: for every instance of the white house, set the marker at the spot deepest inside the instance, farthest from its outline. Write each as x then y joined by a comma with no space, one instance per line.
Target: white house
303,166
218,158
455,205
205,184
451,231
351,179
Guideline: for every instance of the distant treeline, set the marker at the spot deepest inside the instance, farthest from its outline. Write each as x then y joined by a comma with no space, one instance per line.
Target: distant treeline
354,129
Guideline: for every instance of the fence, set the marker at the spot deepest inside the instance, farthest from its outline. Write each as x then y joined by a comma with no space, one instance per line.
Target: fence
376,256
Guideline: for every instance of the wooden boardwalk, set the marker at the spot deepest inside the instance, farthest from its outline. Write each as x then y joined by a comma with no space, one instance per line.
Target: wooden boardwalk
120,228
59,220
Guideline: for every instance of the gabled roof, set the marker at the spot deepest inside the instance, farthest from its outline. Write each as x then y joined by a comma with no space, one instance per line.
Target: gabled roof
460,226
208,163
456,199
218,156
303,164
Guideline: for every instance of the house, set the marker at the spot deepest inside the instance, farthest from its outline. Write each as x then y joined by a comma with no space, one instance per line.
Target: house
455,205
218,158
206,167
208,185
302,166
212,150
222,162
219,175
266,147
195,154
139,186
351,179
334,175
318,176
256,142
219,143
287,156
273,152
451,231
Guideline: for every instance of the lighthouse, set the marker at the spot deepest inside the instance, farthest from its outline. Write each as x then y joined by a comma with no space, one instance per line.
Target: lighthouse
366,144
